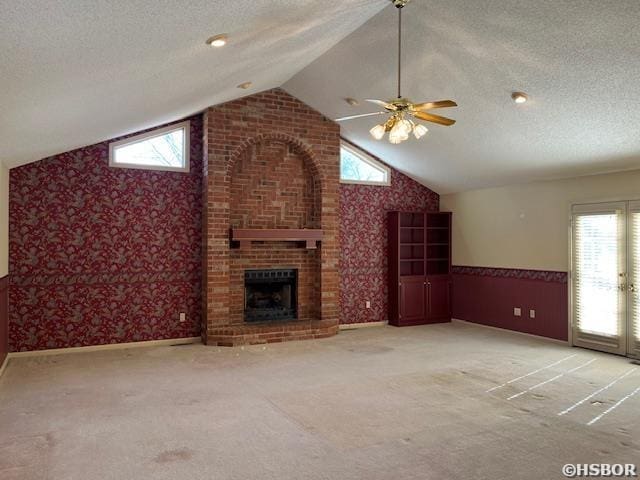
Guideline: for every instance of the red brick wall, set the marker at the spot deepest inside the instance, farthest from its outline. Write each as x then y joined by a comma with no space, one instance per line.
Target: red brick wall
271,162
272,186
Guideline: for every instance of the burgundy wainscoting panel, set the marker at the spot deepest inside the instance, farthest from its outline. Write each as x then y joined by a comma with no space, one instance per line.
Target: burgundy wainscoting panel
489,295
4,318
363,242
103,255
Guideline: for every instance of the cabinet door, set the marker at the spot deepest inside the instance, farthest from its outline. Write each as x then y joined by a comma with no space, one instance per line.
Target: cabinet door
438,298
412,301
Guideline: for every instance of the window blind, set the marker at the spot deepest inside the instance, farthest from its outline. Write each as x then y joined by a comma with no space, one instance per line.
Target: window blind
597,256
634,301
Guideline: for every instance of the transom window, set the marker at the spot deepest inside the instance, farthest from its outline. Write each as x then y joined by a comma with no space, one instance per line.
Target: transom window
165,148
358,167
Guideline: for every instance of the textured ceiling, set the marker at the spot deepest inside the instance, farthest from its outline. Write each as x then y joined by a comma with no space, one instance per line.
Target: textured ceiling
73,75
579,60
75,72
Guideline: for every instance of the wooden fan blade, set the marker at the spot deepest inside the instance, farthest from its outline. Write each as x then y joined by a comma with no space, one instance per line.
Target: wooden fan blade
433,118
386,105
430,105
351,117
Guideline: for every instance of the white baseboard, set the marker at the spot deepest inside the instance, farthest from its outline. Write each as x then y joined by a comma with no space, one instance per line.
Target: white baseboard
3,367
110,346
554,340
354,326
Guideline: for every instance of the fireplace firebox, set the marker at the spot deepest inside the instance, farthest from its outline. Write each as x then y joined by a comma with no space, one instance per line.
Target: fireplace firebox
270,295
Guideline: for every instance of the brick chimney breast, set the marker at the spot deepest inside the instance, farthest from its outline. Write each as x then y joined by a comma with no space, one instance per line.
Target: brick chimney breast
271,162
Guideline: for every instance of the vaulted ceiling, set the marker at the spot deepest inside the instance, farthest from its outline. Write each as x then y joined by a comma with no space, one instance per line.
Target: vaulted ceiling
579,61
73,75
75,72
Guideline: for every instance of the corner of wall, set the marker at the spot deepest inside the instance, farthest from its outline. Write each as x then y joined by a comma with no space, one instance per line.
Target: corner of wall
4,220
4,262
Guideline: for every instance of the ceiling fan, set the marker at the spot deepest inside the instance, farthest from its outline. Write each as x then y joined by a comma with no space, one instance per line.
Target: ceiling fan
401,110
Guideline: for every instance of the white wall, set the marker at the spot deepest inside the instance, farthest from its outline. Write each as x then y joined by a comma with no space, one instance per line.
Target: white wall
4,220
527,226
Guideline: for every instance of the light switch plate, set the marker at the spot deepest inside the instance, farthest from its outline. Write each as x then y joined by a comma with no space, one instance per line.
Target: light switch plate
183,317
532,314
517,312
368,304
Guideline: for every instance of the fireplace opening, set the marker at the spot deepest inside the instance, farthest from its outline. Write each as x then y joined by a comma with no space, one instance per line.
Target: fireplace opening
270,295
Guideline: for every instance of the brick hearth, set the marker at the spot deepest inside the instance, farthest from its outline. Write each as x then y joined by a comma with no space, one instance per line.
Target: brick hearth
270,162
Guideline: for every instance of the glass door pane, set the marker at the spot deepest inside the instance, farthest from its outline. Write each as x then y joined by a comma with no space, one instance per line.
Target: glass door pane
598,276
633,330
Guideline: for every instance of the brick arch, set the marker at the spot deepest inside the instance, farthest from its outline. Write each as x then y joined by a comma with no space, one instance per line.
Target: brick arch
299,147
272,185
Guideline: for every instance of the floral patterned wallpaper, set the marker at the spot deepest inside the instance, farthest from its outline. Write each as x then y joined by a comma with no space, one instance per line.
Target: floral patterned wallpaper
104,255
514,273
363,242
109,255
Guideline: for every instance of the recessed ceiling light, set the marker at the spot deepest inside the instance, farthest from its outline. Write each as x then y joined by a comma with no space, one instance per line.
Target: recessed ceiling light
218,41
519,97
352,101
245,85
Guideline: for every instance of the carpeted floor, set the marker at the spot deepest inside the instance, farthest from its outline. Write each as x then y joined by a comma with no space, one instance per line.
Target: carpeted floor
438,402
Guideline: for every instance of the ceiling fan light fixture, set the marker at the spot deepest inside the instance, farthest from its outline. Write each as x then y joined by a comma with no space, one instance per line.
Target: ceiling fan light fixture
420,131
395,139
399,133
401,111
378,132
405,127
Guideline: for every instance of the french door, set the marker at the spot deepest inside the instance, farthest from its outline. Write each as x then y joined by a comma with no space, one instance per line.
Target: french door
605,277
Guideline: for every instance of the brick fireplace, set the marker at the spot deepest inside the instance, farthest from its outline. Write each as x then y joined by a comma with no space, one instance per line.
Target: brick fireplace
272,166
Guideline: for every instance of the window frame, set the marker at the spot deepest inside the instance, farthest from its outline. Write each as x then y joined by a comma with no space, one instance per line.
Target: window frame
368,159
157,132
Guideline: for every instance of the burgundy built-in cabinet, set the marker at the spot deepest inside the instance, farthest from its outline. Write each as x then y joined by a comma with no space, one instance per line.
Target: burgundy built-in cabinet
419,268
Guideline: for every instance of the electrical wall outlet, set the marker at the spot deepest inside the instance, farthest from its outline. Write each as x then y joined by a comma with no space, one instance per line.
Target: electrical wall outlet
367,304
532,314
517,312
183,317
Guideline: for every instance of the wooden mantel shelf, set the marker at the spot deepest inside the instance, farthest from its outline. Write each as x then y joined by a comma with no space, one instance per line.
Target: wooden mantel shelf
311,236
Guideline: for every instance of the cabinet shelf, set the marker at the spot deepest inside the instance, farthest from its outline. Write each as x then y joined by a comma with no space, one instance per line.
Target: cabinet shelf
419,268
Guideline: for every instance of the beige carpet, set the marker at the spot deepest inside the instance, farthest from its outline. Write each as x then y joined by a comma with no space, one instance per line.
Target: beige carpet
378,403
